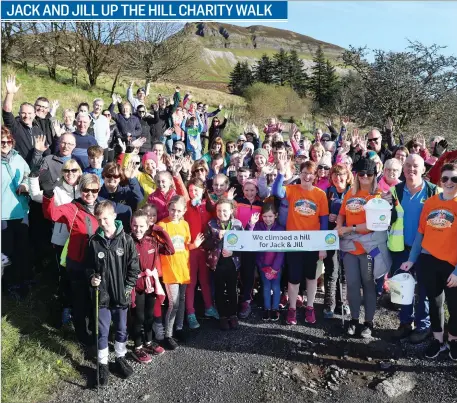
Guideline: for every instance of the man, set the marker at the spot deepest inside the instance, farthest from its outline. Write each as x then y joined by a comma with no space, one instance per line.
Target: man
202,109
24,130
145,122
161,119
83,140
408,200
100,126
375,144
44,120
140,98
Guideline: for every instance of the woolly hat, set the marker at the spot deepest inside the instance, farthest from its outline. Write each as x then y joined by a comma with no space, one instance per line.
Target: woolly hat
242,137
250,181
365,164
262,152
326,136
248,145
326,160
149,156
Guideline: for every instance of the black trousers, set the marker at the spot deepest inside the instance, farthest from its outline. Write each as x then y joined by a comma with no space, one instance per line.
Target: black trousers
143,318
225,279
333,276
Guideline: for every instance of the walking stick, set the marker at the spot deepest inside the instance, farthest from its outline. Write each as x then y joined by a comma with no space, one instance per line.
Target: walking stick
340,275
96,334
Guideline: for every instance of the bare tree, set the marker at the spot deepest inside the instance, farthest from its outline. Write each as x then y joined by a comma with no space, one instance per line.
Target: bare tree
16,41
49,40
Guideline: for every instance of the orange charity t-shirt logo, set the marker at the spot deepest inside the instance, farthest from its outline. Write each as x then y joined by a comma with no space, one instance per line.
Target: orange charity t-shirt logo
178,243
355,204
440,219
305,207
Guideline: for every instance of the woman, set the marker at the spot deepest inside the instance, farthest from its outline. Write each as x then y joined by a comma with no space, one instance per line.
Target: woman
401,153
66,191
341,180
159,149
216,129
15,208
216,147
435,252
417,145
200,171
309,213
323,169
357,242
316,152
391,176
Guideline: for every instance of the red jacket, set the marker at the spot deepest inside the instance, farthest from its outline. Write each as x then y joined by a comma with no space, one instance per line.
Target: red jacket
81,224
435,173
197,217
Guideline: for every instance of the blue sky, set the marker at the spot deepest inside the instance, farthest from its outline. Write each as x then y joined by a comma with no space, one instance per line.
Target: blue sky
376,24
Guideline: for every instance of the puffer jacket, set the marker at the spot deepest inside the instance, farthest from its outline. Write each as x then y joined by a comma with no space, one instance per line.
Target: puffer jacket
116,262
245,209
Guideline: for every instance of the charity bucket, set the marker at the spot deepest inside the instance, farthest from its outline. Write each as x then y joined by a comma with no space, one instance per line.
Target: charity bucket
402,289
378,213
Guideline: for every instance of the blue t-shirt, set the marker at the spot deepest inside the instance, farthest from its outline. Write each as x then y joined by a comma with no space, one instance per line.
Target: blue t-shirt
412,206
80,151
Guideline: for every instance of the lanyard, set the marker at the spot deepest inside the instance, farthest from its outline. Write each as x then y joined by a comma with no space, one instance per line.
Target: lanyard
229,226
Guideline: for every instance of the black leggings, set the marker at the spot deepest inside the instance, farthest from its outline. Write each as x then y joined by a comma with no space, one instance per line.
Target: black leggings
225,279
143,318
435,273
333,276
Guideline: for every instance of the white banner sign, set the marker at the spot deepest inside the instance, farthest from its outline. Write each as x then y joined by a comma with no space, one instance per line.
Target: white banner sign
281,241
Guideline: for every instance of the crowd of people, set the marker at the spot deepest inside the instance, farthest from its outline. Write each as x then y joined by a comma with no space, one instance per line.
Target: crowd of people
134,211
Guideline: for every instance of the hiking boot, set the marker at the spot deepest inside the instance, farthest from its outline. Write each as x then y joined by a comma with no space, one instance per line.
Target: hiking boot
224,323
66,316
367,328
211,313
266,315
299,302
452,345
180,335
291,317
192,321
170,343
328,314
233,321
103,375
123,367
403,331
245,310
153,348
284,300
140,355
274,315
352,327
310,315
435,348
159,330
419,335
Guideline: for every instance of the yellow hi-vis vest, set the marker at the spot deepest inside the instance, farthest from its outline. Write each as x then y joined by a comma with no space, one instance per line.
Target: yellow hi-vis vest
395,237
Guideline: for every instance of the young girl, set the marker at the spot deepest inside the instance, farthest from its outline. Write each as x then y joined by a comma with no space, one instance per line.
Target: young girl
269,263
149,244
176,268
197,217
224,263
193,127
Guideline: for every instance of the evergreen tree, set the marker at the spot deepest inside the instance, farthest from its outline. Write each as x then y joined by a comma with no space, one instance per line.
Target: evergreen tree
318,77
240,78
297,78
331,84
281,67
263,70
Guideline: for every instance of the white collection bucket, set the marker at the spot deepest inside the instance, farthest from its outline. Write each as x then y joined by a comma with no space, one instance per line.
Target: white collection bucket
378,213
402,289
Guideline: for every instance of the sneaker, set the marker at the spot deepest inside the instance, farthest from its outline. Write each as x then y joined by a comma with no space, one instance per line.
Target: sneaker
403,331
283,301
211,313
192,321
352,327
274,315
170,343
452,345
346,310
180,335
435,348
299,302
159,330
103,375
123,367
328,314
266,314
66,317
291,316
245,310
140,355
233,321
153,348
224,323
419,335
310,315
367,328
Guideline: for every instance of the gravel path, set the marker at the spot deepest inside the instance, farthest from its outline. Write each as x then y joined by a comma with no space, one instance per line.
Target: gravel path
266,362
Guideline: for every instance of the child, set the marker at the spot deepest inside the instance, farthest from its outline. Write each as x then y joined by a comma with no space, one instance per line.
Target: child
176,268
224,263
95,155
269,263
112,266
197,218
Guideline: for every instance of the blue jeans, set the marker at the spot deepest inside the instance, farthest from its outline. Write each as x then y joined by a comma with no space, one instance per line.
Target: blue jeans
269,285
418,312
169,144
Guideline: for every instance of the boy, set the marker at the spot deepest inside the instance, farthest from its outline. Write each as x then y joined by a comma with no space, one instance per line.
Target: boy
95,155
112,266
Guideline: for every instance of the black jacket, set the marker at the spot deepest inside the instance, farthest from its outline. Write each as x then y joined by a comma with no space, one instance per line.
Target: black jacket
216,131
116,261
46,127
146,133
160,122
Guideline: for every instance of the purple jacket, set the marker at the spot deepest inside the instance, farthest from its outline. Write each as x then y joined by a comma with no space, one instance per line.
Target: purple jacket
273,259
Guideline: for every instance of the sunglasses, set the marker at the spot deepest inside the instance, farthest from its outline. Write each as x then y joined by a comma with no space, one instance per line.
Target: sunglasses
141,111
7,142
365,173
374,140
73,171
324,167
112,176
445,179
137,162
325,139
93,191
178,149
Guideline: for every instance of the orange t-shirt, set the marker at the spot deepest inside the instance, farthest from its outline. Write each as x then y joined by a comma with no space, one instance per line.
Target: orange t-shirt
305,208
438,224
352,209
176,268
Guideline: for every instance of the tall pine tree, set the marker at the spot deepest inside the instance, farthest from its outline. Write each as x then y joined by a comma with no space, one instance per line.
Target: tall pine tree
317,80
297,78
240,78
281,67
264,70
331,86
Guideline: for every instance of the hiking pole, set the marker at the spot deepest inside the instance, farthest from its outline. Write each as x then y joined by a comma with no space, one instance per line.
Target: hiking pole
340,275
96,334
